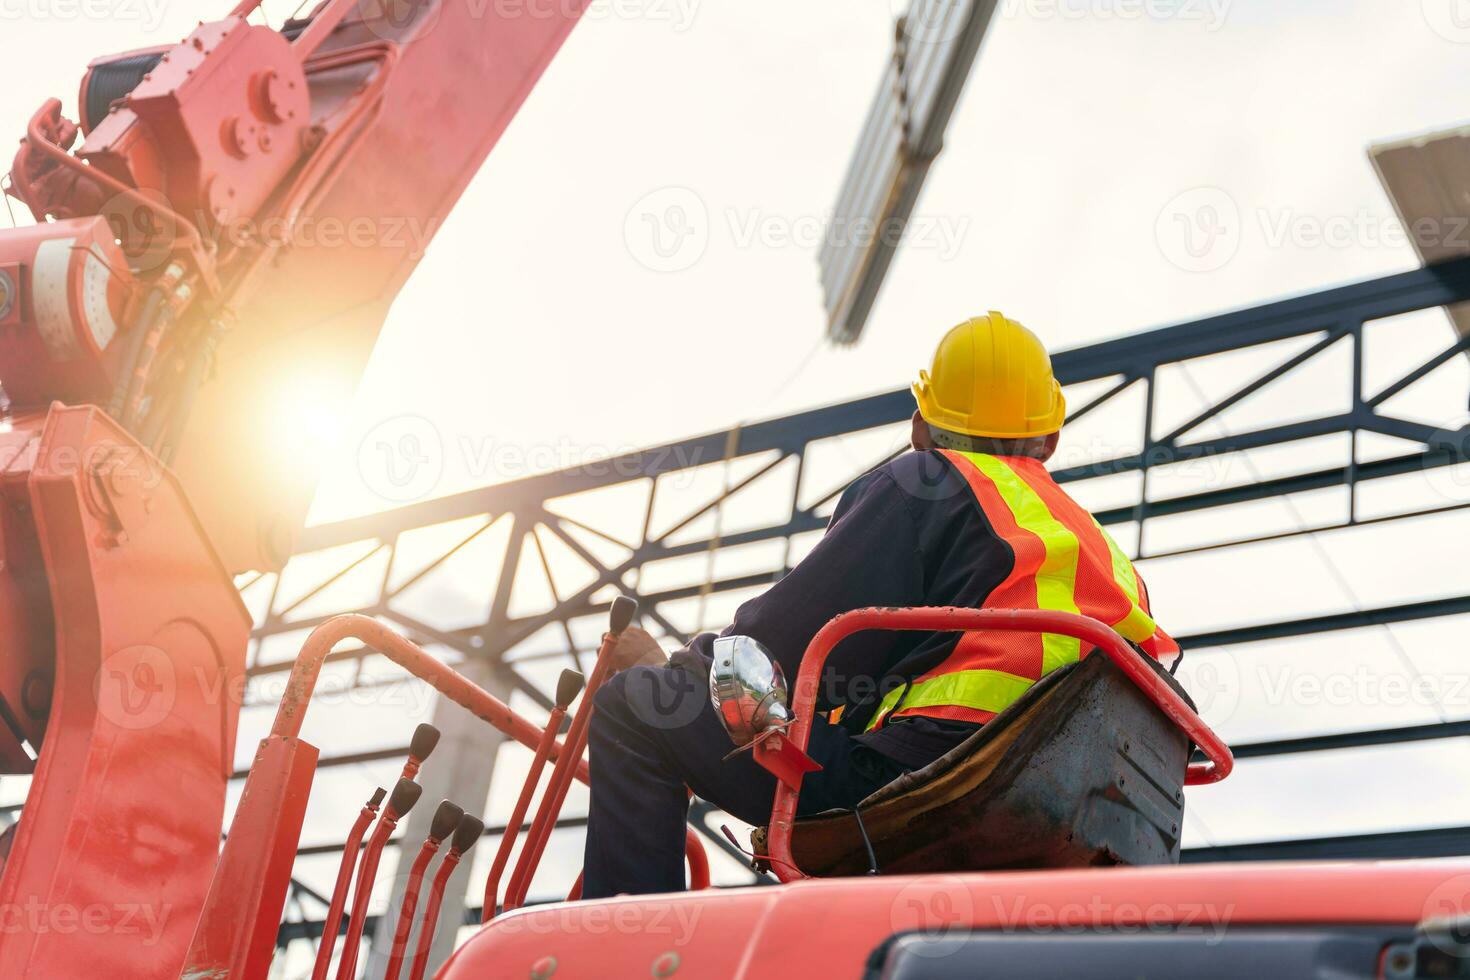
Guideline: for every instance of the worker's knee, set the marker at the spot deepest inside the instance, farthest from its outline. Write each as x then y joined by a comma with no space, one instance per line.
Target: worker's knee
653,699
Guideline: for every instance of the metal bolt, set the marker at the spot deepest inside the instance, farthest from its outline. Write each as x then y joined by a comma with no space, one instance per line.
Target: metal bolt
543,968
666,965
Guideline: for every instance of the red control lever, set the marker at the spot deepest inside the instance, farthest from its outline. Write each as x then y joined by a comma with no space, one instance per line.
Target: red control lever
465,837
344,879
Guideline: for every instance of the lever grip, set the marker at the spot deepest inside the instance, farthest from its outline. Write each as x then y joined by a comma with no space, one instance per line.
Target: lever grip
446,819
405,795
623,611
468,833
568,686
425,738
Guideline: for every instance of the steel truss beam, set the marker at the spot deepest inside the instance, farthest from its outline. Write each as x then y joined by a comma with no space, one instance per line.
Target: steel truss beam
764,452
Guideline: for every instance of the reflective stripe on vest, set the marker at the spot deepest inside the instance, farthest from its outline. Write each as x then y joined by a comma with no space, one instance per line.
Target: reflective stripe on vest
1054,543
1056,580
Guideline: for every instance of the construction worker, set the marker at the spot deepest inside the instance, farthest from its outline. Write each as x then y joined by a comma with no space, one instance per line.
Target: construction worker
969,518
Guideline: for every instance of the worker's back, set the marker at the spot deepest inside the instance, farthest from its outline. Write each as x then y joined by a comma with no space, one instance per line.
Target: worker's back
1058,557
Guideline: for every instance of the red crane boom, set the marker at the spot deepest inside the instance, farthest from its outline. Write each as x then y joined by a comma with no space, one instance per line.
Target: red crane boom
247,201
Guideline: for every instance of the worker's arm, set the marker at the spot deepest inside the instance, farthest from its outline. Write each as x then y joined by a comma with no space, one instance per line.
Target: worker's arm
871,555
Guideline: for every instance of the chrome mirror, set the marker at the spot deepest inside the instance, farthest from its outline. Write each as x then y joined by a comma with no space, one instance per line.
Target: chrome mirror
747,688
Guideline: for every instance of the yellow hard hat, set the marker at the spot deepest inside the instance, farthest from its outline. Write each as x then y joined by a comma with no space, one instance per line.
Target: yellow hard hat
991,377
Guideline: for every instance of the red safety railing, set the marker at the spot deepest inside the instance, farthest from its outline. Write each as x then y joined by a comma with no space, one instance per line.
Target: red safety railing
236,933
784,753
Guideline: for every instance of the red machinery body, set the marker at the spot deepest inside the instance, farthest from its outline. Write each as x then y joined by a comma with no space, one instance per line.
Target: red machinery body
830,928
127,680
295,177
228,107
244,203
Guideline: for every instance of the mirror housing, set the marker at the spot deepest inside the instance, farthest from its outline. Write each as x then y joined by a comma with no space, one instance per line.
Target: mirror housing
747,688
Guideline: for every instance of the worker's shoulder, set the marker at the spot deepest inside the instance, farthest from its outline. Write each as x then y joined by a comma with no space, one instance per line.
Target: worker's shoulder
923,478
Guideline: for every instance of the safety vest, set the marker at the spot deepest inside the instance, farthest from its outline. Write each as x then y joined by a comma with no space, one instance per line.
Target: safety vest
1064,561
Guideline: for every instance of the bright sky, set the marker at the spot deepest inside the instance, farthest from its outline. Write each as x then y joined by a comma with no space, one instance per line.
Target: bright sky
536,321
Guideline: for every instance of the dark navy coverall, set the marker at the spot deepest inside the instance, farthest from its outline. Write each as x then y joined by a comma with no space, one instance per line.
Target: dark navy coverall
909,533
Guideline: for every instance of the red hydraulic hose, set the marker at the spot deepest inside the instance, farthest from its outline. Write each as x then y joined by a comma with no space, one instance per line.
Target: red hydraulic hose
623,611
567,689
466,836
333,921
405,795
446,820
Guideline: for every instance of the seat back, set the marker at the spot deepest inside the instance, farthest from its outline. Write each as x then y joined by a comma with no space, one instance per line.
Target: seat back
1082,770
